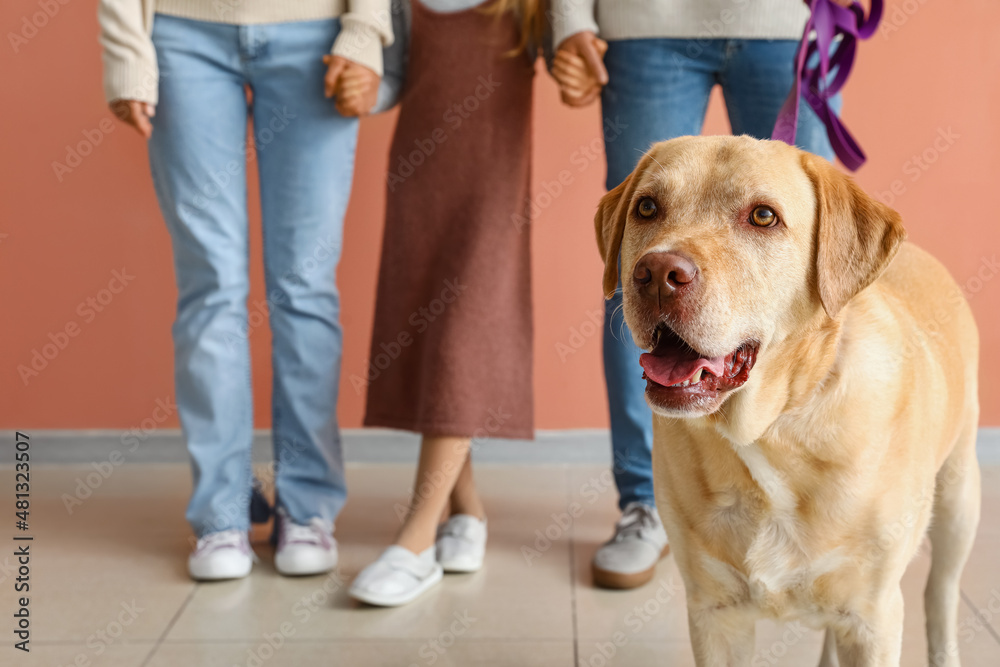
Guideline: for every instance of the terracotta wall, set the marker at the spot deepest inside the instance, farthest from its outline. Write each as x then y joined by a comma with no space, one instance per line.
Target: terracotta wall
924,102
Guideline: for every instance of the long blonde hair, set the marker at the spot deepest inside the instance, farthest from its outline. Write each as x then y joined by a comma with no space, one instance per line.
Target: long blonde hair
532,14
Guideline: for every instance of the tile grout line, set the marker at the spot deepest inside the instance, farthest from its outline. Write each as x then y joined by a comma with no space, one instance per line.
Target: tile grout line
979,615
170,625
572,570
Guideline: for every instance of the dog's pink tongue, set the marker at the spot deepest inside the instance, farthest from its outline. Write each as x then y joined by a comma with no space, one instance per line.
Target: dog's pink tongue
671,369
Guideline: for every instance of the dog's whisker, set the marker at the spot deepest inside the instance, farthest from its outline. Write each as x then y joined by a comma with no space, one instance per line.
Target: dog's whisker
620,337
662,168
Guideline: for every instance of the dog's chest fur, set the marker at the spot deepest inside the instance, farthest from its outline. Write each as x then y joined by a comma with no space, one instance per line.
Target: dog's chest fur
780,566
759,550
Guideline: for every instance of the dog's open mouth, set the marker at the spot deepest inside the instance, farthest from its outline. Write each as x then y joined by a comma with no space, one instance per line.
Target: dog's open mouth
676,367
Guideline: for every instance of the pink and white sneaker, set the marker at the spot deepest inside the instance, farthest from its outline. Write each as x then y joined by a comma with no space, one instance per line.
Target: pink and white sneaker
304,549
225,554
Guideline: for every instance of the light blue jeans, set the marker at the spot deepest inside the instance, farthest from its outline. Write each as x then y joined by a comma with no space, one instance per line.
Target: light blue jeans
304,152
659,89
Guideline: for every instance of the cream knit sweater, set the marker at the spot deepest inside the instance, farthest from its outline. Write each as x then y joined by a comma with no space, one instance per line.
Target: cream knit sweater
681,19
130,71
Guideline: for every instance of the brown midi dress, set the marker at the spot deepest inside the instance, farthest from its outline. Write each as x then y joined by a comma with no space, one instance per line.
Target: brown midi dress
451,350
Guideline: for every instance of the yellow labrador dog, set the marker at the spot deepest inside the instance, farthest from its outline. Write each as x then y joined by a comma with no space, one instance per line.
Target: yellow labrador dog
813,380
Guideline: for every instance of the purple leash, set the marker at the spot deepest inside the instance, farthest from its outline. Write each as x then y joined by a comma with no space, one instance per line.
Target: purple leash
813,83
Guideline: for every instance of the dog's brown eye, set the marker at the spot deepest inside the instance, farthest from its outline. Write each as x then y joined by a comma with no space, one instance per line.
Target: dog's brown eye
763,216
646,208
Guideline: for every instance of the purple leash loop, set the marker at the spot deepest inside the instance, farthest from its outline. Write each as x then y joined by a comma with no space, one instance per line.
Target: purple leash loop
813,84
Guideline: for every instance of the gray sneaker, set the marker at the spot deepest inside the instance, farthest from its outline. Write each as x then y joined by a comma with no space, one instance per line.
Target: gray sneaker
629,559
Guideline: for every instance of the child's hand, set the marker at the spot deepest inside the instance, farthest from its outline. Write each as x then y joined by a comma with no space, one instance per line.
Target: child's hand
354,85
579,68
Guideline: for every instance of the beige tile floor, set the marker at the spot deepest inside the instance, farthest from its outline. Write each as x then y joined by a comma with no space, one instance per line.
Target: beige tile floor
109,585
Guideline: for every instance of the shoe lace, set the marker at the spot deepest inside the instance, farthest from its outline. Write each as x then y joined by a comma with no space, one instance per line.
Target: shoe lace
636,520
314,532
221,540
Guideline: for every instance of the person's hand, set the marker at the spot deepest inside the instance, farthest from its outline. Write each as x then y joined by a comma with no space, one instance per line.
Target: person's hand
136,114
579,68
355,86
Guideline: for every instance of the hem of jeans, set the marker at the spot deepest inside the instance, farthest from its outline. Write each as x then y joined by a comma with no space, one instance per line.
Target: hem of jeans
648,502
309,518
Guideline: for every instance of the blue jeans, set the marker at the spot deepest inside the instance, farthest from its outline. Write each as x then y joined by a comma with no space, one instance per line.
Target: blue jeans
659,89
305,156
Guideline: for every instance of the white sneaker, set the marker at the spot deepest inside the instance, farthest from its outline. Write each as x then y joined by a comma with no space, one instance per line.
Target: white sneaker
304,549
225,554
629,558
397,577
461,543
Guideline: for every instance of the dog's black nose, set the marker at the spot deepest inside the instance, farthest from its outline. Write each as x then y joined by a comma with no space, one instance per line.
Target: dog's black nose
663,273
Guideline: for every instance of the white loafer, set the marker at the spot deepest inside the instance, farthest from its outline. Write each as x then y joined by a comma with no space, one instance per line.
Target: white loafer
461,543
225,554
397,577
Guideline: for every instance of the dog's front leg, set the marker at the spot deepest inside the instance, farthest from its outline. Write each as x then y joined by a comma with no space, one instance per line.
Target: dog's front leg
872,638
721,636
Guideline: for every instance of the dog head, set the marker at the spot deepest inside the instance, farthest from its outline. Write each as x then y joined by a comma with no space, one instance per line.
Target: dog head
728,246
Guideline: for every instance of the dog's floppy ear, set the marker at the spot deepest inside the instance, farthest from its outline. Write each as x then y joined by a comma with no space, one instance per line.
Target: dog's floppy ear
609,223
857,236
